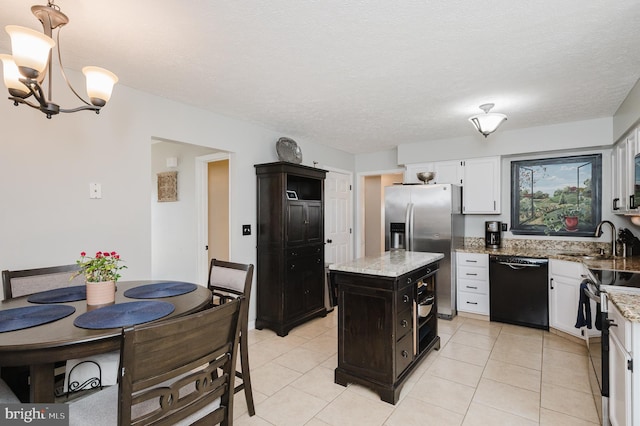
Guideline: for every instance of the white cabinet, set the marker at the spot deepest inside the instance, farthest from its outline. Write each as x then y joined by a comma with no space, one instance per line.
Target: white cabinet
481,193
564,295
623,174
620,371
448,172
472,273
445,172
479,177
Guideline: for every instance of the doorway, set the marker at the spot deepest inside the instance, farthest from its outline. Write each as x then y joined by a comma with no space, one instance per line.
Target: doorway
371,211
178,227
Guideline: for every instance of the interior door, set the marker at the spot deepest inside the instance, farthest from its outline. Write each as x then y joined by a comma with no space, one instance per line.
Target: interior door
338,218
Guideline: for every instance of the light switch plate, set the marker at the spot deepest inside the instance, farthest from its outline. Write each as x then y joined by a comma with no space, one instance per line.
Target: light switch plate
95,191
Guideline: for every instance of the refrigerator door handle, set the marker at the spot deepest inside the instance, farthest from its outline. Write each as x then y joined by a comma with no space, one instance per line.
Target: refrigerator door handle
411,226
407,227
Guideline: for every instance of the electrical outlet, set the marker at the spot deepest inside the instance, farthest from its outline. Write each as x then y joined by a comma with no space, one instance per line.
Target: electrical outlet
246,229
504,226
95,191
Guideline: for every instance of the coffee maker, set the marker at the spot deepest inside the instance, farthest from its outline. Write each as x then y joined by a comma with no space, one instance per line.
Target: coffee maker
492,234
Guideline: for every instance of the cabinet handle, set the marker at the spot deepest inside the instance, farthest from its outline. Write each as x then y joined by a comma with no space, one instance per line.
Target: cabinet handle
475,288
404,323
471,261
318,260
615,204
293,267
632,202
409,280
494,205
405,298
551,282
329,241
405,354
472,275
306,222
472,303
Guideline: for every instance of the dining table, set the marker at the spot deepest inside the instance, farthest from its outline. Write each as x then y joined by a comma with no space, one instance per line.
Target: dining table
79,334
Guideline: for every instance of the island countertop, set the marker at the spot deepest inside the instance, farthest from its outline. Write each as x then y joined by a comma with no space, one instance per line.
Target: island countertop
389,264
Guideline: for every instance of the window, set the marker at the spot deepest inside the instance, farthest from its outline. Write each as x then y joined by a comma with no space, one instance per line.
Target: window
556,196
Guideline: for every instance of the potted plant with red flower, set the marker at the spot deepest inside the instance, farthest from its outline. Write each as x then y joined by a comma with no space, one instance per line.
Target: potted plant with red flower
101,273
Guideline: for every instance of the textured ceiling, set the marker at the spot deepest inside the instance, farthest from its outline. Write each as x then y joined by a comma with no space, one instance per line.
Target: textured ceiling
362,76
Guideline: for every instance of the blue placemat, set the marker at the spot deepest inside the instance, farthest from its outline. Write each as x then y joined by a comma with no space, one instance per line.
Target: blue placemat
30,316
158,290
60,295
124,314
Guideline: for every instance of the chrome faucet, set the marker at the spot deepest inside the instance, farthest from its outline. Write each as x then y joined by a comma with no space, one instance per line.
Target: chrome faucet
613,235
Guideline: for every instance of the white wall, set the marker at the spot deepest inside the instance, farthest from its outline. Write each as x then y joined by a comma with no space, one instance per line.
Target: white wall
174,227
565,136
46,166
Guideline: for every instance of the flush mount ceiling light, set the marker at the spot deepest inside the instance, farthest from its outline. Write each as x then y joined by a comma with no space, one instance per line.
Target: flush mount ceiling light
30,62
488,122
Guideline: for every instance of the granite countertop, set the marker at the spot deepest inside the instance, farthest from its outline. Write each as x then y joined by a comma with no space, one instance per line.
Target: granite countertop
389,264
628,303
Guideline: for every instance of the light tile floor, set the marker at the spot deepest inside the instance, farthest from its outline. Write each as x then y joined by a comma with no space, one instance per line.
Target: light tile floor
484,374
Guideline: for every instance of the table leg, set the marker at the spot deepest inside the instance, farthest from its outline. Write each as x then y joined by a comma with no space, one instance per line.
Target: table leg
42,389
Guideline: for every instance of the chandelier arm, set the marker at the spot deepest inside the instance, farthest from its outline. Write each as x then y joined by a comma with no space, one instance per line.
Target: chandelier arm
82,108
37,93
17,100
64,75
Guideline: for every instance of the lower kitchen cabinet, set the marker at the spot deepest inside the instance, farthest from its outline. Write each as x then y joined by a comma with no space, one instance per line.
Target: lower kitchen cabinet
621,389
386,325
472,282
564,296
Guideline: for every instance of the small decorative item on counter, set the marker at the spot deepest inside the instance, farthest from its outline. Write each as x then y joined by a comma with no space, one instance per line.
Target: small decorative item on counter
101,273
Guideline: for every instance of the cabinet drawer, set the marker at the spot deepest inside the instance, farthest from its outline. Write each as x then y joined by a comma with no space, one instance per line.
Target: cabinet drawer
472,302
404,323
414,277
473,286
404,353
473,259
405,298
473,273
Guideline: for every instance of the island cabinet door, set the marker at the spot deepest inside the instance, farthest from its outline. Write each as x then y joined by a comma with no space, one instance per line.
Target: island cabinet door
366,338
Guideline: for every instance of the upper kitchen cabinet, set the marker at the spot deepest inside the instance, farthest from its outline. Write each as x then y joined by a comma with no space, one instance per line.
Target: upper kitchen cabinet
481,187
623,174
445,172
479,177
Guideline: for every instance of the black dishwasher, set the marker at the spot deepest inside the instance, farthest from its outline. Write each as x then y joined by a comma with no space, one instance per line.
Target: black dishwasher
518,291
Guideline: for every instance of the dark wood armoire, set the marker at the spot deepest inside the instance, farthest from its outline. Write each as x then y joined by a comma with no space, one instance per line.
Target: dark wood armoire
290,230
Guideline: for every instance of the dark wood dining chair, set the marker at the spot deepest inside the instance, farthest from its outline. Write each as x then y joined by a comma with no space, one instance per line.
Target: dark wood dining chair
174,372
227,281
29,281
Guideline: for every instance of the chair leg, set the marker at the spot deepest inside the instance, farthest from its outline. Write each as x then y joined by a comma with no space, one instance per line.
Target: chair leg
246,375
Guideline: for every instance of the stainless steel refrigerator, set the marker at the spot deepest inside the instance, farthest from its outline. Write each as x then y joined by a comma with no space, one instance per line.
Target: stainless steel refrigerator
428,218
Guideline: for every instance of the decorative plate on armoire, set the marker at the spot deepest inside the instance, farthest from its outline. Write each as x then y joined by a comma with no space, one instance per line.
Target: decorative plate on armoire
288,150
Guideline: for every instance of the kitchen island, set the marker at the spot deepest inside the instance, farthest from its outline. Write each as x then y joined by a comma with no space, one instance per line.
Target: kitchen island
387,320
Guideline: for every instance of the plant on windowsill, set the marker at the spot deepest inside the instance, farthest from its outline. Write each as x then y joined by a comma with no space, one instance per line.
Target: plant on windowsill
101,273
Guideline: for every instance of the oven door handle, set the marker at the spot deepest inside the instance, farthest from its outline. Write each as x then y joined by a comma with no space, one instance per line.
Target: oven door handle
591,295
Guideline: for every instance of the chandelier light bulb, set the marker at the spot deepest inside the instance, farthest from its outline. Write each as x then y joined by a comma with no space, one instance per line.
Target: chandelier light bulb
30,50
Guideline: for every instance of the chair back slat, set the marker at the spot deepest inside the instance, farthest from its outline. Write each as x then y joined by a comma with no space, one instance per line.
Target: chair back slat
29,281
174,369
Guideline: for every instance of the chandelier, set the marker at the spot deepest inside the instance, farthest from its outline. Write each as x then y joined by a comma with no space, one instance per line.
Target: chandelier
488,122
30,62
